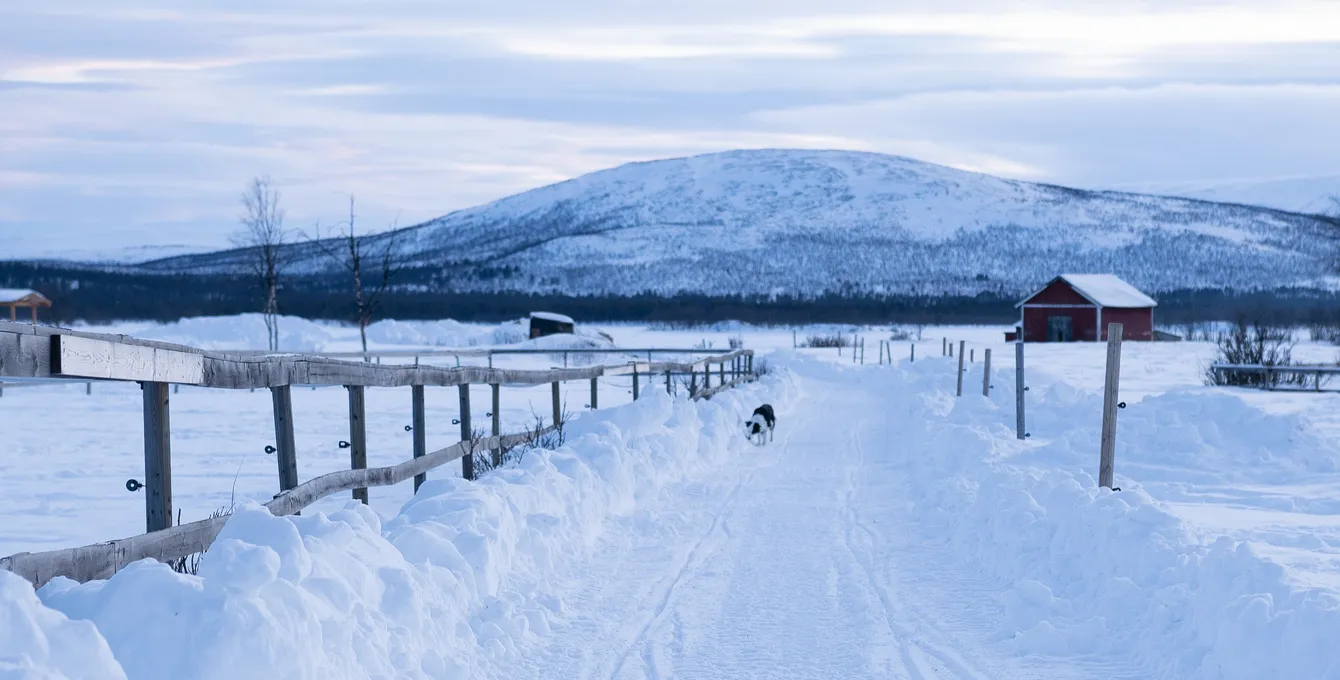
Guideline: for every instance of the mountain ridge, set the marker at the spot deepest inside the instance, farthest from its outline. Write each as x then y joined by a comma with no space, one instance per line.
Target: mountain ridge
802,222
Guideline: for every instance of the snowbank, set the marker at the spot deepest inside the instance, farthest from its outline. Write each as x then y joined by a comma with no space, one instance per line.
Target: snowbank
239,332
1089,573
446,333
345,596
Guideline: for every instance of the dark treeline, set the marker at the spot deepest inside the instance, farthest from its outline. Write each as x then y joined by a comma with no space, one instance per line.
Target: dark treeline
98,295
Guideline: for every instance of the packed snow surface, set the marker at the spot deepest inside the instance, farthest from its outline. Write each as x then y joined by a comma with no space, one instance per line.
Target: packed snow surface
891,530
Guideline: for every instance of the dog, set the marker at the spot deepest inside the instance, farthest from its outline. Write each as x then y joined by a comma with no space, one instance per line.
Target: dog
760,425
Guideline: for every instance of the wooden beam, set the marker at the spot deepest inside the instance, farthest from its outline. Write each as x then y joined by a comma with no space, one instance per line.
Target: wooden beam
358,437
468,460
497,422
157,457
1111,380
78,357
286,453
558,405
420,429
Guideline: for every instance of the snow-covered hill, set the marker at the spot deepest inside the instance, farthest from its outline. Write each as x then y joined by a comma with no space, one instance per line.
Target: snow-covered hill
809,222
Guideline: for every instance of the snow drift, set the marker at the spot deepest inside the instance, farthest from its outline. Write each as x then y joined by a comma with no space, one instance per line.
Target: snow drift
347,595
1089,573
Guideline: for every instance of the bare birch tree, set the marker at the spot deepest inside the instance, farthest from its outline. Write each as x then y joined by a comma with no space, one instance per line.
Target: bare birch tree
371,272
263,235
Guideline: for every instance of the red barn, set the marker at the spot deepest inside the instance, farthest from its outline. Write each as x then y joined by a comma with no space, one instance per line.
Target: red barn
1080,306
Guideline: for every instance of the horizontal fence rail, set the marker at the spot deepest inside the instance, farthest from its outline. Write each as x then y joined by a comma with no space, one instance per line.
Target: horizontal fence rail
39,354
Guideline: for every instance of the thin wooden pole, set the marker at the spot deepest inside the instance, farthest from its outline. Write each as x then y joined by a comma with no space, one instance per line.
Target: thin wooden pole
944,342
420,426
157,458
960,367
707,375
286,452
972,355
635,383
558,405
1108,455
1019,386
497,422
986,372
358,437
693,381
595,394
722,367
468,460
667,384
88,388
913,355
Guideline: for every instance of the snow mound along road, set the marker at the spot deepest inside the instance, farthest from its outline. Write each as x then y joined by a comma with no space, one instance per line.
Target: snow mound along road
1113,580
347,595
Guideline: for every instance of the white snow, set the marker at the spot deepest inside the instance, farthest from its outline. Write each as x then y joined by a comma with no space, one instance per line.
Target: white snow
1108,290
550,316
15,294
892,530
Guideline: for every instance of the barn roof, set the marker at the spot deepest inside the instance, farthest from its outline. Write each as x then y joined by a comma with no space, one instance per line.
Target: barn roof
550,316
1105,290
23,295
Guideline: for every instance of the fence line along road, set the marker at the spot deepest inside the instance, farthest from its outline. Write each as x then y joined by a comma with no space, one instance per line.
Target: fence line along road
40,352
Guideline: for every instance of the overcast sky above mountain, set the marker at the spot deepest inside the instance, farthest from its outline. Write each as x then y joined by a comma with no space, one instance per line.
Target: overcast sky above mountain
139,123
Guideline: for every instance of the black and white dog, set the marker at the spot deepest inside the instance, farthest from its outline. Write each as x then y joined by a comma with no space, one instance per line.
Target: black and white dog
760,425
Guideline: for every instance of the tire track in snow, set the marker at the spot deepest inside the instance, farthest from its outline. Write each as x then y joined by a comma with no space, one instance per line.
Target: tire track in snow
702,550
916,652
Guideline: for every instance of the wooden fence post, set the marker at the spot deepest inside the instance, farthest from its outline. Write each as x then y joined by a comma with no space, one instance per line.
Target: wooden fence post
972,355
558,406
707,375
420,426
1019,386
157,457
88,388
944,342
914,354
722,367
668,389
497,423
986,372
635,384
286,451
1108,455
595,393
358,437
960,367
468,460
693,381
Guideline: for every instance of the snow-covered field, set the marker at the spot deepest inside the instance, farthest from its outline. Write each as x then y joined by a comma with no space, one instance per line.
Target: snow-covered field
891,530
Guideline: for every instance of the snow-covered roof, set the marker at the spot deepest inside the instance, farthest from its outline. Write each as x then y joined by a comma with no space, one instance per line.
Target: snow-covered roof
550,316
8,295
1104,290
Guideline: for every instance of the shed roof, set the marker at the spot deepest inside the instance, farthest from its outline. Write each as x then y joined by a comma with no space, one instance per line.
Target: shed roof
23,296
1104,290
550,316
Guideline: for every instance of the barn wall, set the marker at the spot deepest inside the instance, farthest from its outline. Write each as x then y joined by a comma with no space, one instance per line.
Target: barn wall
1058,293
1083,322
1137,324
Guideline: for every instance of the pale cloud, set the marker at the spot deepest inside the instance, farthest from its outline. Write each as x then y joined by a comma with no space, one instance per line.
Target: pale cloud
149,118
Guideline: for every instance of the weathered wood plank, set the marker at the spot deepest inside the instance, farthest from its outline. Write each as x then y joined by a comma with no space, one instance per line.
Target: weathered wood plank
286,452
420,428
1111,383
157,457
77,357
358,437
467,435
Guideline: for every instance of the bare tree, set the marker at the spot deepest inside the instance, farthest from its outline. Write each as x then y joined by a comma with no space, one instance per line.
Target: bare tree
263,234
350,250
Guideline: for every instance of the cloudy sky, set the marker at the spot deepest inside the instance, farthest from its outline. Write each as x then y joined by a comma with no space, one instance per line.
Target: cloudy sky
138,122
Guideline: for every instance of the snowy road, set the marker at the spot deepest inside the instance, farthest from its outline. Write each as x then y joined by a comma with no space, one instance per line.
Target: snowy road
789,564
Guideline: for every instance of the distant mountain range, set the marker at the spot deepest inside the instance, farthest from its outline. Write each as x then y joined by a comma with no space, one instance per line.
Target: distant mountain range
792,222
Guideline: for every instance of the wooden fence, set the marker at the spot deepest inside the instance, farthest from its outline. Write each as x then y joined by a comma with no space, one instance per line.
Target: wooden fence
39,352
